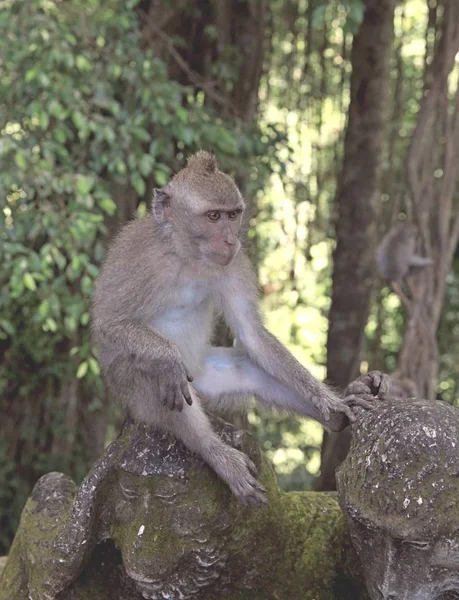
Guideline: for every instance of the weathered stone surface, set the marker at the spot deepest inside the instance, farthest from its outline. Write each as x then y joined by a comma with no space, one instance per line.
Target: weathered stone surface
153,521
399,488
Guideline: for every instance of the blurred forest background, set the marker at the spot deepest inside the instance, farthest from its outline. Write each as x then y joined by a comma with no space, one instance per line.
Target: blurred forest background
337,118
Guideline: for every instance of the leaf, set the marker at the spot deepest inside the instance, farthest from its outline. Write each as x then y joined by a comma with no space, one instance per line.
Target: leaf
56,109
20,160
318,16
70,323
78,119
85,183
211,31
44,79
141,134
82,370
160,177
86,285
60,135
29,282
357,11
30,75
94,366
138,183
44,308
59,258
83,64
43,120
107,205
50,325
8,327
121,167
146,164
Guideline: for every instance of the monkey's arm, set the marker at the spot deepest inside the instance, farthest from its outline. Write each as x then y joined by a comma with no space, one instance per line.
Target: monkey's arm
240,306
419,261
133,337
152,350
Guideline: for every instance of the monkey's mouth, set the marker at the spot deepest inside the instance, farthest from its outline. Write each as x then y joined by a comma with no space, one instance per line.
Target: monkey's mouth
220,259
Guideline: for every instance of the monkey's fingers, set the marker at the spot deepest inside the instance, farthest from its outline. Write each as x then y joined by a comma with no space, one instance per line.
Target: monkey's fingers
324,411
378,382
382,382
170,399
187,394
178,400
254,496
251,467
357,387
345,409
163,393
366,401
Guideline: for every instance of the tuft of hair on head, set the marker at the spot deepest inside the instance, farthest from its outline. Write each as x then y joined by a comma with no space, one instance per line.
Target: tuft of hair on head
202,162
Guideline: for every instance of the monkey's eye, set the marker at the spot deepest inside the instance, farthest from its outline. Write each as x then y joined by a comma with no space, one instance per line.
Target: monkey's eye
213,215
233,215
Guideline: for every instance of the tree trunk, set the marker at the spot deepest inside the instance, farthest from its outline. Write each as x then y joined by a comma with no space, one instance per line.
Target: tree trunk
432,178
357,199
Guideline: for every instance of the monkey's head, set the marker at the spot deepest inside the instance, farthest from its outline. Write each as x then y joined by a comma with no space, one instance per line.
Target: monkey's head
201,208
405,232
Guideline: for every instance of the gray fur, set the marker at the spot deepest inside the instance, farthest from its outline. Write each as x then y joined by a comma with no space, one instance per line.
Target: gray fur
396,254
164,280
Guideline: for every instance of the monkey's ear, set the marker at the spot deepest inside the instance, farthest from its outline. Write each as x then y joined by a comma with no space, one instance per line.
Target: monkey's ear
161,205
205,162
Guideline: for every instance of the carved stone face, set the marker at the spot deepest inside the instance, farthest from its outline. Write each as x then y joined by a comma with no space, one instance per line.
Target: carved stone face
172,524
158,524
399,488
406,569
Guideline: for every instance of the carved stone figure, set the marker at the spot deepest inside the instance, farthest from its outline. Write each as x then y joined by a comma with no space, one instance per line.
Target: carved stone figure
151,520
399,488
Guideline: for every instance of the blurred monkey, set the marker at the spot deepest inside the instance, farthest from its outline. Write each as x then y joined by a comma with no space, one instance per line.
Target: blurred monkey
396,253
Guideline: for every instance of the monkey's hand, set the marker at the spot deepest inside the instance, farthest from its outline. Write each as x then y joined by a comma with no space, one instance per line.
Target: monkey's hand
172,380
361,393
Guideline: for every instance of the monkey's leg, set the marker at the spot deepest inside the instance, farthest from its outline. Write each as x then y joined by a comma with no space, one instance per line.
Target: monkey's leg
134,389
231,379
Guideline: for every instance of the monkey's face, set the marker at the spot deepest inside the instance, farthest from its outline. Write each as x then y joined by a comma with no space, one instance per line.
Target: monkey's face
207,233
205,208
217,235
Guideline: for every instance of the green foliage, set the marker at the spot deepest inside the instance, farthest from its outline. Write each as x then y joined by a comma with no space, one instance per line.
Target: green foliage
349,11
83,106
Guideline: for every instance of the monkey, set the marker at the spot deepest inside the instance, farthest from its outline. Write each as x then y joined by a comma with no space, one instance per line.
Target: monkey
395,255
164,280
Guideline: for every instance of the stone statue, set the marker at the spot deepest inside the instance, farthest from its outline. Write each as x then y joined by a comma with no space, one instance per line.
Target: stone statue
399,488
151,520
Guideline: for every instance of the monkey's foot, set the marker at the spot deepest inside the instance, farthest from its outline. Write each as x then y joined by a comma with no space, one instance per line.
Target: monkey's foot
239,472
375,383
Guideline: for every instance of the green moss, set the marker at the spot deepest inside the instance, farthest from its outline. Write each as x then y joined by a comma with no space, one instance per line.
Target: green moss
13,574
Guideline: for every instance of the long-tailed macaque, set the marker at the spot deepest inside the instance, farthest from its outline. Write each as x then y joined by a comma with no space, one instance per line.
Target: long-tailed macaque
164,280
396,254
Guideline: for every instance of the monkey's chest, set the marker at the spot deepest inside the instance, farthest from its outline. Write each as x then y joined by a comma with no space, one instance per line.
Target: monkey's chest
187,322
